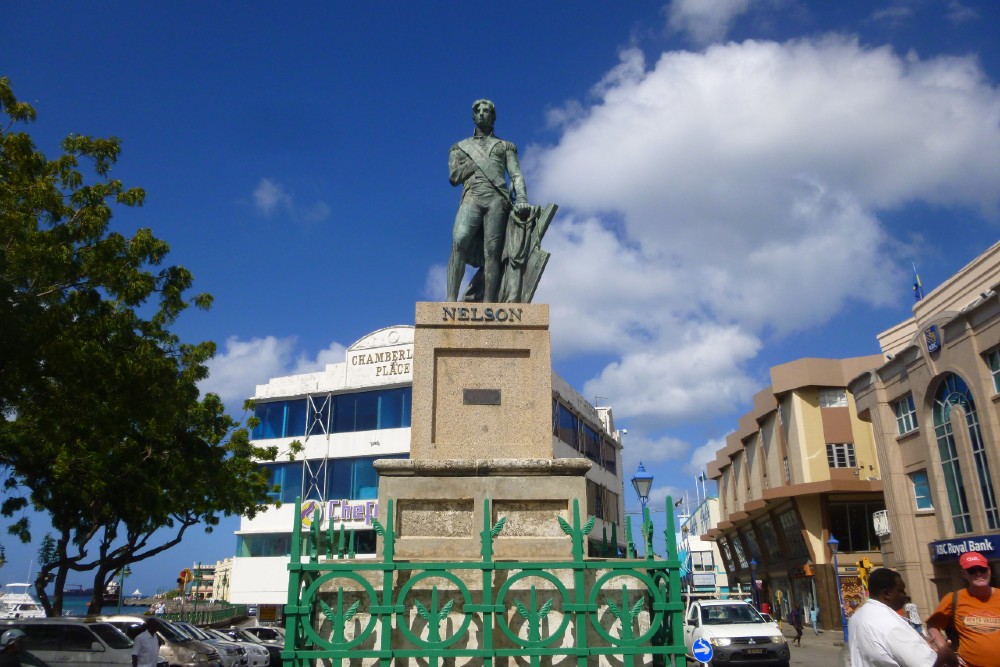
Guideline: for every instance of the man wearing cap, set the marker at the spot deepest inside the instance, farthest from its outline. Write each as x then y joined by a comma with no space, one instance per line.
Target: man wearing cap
976,614
12,653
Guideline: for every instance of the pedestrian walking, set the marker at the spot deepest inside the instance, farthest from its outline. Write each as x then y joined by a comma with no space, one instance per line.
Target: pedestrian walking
796,619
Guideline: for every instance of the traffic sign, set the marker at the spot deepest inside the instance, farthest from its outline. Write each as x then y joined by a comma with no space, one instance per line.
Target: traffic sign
702,651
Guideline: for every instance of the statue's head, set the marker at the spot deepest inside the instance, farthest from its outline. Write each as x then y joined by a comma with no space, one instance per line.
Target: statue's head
484,114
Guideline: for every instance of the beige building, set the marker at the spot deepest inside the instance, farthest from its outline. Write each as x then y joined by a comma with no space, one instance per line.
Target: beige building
933,404
799,468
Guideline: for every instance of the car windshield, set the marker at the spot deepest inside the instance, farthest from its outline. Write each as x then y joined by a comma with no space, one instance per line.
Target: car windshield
171,632
111,635
729,614
219,636
244,636
192,631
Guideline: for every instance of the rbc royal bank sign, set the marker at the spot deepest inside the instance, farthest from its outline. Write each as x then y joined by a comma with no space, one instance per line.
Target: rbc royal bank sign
944,551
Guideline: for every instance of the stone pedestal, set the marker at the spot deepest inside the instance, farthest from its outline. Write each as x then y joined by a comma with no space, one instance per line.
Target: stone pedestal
481,427
482,382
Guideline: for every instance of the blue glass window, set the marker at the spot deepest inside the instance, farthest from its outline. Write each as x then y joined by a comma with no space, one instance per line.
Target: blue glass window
288,477
280,419
354,478
567,427
370,410
921,490
954,391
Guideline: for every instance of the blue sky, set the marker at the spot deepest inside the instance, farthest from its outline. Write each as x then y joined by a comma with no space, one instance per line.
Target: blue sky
741,183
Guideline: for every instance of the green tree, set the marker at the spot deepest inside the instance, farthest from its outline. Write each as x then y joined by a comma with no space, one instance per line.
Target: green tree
103,425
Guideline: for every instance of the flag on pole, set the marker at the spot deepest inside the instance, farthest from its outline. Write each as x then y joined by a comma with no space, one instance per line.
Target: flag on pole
679,503
918,287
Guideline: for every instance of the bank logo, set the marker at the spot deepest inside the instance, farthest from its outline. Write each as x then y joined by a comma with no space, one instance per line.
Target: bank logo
309,509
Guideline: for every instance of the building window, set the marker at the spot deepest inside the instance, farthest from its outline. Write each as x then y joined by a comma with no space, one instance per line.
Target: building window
841,455
371,410
568,427
830,397
854,526
771,543
751,540
287,480
740,554
280,419
993,359
954,392
727,556
921,490
788,471
906,415
792,531
702,561
338,413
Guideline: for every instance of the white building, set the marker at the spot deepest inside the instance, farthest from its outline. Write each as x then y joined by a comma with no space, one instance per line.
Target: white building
355,412
703,572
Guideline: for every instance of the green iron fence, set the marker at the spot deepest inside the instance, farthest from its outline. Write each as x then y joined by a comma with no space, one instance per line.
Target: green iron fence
588,611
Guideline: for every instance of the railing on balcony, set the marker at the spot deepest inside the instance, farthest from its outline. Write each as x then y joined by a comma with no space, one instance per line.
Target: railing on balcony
881,521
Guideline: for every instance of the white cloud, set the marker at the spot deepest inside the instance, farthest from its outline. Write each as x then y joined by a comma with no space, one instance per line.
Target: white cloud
236,370
705,21
704,455
334,354
271,197
704,195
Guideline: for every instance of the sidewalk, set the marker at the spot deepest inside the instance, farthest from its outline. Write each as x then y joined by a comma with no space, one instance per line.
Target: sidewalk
831,638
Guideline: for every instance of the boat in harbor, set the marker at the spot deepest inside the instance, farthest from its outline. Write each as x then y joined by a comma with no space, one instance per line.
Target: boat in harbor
17,601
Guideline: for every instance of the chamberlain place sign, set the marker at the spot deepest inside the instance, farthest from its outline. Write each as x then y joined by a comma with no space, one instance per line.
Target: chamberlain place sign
944,551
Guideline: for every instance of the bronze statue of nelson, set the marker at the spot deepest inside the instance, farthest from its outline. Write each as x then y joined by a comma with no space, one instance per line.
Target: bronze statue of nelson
481,164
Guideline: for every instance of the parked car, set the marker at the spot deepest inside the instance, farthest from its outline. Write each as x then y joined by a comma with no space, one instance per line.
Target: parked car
256,653
273,650
73,642
232,654
179,649
267,634
736,631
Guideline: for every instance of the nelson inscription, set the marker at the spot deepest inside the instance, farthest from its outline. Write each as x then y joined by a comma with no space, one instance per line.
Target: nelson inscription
475,314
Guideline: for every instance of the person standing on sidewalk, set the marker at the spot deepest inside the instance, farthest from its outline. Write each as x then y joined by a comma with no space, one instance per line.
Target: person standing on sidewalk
974,612
880,637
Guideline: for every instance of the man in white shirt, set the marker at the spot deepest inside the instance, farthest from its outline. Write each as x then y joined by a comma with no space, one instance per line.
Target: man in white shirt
880,637
146,648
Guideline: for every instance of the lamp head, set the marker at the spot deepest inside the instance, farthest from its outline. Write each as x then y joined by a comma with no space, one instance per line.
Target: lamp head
642,482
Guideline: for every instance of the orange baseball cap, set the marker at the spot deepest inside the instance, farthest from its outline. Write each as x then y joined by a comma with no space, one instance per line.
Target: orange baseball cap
972,559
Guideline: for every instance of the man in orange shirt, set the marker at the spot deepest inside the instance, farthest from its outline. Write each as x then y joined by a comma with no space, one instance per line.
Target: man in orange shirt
976,615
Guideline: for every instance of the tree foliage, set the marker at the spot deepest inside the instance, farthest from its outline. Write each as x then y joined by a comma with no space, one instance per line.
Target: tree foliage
103,425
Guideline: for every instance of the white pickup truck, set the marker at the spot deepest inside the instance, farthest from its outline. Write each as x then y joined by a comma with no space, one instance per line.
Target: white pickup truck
736,632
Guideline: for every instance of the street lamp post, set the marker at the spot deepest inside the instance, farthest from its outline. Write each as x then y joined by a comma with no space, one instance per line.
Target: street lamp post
122,573
833,543
642,482
753,582
195,586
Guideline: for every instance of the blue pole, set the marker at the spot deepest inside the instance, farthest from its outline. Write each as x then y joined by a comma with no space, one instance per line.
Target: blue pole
840,595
